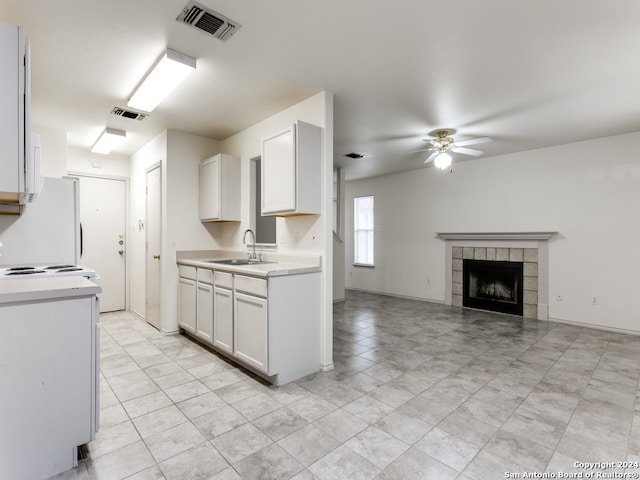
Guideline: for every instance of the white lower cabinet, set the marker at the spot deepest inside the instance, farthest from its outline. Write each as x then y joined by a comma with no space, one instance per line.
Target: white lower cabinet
204,306
50,380
269,325
223,312
204,312
251,330
187,303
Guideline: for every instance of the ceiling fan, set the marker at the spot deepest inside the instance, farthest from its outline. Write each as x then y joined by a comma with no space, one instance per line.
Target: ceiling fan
442,144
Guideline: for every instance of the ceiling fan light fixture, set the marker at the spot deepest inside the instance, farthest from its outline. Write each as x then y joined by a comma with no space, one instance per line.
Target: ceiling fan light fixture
443,161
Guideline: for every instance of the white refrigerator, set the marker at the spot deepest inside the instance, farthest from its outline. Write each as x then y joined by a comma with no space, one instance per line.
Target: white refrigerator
48,232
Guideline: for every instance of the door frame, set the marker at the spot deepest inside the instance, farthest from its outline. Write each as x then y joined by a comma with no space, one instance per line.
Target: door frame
156,165
127,259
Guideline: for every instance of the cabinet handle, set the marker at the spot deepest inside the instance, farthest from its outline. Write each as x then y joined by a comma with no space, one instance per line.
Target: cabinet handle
156,257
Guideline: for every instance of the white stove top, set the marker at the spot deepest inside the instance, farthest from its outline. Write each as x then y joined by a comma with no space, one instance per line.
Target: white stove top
53,270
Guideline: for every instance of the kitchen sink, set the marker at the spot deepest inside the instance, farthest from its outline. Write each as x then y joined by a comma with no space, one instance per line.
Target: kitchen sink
237,261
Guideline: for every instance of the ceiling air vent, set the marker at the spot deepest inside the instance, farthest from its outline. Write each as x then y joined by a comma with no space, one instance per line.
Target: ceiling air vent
209,21
121,112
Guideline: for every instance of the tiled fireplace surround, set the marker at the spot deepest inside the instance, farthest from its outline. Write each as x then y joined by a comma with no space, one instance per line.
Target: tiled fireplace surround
531,248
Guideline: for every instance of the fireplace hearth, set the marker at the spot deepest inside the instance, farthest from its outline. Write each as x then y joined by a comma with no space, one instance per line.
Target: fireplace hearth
493,285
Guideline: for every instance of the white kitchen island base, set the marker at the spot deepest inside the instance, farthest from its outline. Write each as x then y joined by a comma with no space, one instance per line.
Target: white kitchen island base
48,374
264,316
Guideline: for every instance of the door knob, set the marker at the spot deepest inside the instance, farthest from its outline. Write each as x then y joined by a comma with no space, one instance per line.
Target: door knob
156,257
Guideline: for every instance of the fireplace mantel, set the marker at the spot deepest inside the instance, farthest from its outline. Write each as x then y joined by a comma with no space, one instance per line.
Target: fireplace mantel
495,235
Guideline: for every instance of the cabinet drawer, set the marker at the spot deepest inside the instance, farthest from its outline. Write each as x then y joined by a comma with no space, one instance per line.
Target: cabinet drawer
187,272
223,279
205,275
251,285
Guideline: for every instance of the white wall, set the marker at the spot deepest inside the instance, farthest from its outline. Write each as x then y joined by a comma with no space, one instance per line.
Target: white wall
179,155
313,231
84,162
588,192
153,152
53,156
247,145
182,229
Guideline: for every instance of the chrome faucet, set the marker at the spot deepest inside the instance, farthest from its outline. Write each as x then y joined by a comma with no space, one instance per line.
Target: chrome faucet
252,256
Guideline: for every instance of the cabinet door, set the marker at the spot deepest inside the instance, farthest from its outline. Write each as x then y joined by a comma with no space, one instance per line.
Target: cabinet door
12,122
223,313
46,380
187,304
210,189
250,333
279,172
204,312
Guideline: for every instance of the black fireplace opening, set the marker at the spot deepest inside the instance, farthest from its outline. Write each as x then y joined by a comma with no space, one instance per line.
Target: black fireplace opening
494,286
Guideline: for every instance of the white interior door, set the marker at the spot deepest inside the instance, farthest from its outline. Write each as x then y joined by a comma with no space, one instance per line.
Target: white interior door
103,217
153,247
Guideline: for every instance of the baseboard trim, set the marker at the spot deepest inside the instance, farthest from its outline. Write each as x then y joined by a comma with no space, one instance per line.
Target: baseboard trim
395,295
137,314
595,326
327,368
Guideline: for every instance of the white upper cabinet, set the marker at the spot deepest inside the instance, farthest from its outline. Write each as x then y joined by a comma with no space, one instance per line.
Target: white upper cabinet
220,189
291,171
12,118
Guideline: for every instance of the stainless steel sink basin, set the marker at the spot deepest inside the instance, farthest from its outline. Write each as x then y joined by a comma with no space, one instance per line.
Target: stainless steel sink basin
237,261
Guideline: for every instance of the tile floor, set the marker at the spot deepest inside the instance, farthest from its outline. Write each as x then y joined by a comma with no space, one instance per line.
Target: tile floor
419,391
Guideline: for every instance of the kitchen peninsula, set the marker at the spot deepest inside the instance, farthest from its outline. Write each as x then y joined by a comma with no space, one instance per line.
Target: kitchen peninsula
264,315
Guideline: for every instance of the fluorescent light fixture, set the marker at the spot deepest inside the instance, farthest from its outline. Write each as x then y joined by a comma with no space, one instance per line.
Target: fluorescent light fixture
108,140
169,70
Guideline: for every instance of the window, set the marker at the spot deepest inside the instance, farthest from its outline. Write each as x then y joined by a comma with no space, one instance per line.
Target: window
363,231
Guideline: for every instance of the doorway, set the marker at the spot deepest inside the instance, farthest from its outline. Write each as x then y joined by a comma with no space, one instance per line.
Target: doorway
103,207
263,227
153,245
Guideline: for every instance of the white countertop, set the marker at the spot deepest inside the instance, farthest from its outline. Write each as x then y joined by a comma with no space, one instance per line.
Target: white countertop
277,265
44,288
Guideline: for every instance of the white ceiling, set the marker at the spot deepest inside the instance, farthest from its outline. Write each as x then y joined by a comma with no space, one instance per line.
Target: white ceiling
528,74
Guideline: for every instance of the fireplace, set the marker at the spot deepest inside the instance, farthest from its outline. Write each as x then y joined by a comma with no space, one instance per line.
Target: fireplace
529,248
493,285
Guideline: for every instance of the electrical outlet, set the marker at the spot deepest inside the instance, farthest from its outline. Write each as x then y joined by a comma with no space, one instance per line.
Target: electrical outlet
594,300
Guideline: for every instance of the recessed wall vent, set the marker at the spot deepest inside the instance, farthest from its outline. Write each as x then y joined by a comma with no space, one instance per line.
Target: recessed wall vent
121,112
209,21
355,155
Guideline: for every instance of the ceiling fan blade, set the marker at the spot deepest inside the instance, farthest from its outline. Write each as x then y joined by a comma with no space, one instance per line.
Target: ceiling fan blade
473,141
422,150
466,151
432,157
435,142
